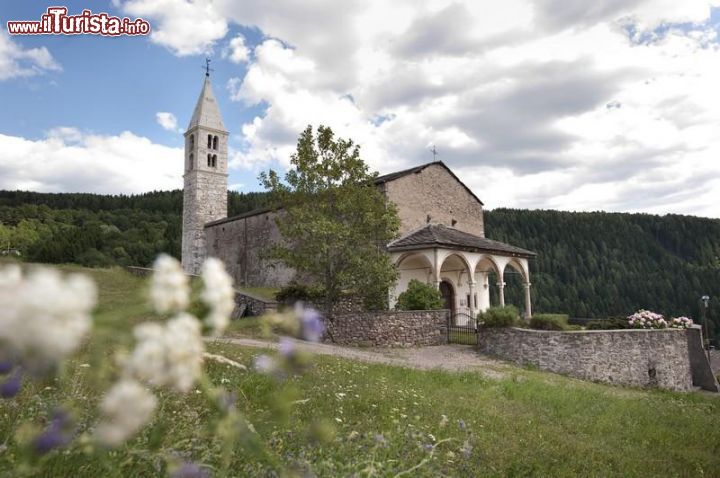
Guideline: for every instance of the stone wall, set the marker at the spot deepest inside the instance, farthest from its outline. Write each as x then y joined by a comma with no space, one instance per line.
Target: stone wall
388,328
240,242
434,191
639,358
250,305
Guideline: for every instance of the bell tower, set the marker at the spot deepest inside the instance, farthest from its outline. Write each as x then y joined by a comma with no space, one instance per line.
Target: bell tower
205,178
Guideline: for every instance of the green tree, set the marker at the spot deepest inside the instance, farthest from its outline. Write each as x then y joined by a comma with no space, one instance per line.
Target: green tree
334,222
419,296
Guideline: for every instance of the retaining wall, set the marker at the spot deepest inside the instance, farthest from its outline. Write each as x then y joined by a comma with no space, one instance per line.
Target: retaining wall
388,328
636,357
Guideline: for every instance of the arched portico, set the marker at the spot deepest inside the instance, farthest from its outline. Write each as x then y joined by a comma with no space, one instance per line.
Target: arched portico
466,261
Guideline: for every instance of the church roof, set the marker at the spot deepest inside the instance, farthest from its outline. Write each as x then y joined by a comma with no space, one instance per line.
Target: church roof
438,235
206,111
406,172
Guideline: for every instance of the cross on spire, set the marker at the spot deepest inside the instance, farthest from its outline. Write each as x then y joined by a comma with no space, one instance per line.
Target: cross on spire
434,152
207,67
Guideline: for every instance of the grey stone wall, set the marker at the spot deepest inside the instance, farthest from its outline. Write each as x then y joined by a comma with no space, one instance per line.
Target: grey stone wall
249,305
436,192
239,242
388,328
204,193
639,358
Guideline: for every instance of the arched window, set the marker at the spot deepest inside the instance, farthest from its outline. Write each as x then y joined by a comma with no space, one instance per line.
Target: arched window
209,141
209,160
215,142
214,161
192,141
191,161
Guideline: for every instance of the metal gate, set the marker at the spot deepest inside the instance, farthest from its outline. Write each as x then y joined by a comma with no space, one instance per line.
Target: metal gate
462,329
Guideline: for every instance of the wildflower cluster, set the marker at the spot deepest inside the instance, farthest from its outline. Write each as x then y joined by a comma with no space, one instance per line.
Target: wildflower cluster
166,354
301,322
645,319
44,317
680,323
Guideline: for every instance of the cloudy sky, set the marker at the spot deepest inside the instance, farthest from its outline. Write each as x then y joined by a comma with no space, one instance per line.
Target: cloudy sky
609,105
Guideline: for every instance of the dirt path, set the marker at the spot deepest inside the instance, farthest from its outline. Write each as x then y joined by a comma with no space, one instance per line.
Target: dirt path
445,357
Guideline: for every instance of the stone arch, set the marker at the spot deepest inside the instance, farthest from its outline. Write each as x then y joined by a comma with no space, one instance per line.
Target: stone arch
519,267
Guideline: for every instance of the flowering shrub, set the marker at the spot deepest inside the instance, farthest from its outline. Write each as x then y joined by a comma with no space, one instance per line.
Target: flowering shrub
645,319
680,323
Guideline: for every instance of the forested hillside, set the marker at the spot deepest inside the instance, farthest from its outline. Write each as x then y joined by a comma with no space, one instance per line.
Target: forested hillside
589,264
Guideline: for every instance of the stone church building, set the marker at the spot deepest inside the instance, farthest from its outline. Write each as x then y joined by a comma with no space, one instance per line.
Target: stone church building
442,235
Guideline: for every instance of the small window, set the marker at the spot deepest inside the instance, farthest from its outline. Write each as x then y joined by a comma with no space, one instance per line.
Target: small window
215,142
209,160
191,161
209,141
192,141
214,160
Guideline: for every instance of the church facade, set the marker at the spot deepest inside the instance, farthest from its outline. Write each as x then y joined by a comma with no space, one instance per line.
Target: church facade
442,233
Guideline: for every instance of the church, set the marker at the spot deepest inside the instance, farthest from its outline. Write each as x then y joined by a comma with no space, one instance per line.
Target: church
442,235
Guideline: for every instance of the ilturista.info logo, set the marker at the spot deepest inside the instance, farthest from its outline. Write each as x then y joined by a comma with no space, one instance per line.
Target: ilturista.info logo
56,21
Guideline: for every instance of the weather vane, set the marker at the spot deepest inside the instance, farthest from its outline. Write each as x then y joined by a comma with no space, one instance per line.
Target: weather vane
207,67
434,152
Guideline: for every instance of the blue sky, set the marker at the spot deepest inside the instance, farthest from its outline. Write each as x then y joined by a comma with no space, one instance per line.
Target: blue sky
110,85
533,103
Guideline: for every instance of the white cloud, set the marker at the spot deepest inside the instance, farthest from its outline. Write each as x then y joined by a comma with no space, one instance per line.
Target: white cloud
186,27
535,103
17,62
68,160
167,120
236,51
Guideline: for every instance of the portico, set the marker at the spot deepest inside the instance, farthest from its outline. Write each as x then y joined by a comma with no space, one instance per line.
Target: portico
460,265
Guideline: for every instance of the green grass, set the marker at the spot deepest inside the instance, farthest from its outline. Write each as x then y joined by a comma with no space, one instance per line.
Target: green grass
267,293
527,424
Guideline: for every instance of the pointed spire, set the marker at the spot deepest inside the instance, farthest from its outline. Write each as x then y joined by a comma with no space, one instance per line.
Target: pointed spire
206,111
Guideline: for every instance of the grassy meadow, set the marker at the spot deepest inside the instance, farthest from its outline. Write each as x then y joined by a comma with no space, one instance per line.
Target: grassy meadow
346,418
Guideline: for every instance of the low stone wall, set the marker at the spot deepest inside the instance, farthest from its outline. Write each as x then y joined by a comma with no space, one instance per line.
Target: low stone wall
250,305
637,357
406,328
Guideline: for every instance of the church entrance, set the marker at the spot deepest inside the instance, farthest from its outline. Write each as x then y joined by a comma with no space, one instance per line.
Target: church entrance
448,295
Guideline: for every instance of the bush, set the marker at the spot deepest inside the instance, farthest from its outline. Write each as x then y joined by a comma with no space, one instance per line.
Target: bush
419,296
296,292
607,324
505,316
549,322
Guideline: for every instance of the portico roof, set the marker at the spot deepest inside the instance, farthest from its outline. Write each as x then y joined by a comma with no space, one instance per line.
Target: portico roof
438,235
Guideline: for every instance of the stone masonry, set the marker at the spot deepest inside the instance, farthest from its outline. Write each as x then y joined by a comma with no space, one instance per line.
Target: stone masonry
388,328
205,177
638,358
434,191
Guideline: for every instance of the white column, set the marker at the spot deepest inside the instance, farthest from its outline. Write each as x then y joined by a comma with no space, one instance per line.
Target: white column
501,293
528,306
471,305
436,269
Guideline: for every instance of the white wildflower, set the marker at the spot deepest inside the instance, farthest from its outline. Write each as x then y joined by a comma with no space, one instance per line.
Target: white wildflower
125,409
218,294
170,287
169,354
44,316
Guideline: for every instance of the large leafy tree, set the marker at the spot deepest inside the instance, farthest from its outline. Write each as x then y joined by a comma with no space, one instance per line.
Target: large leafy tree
334,221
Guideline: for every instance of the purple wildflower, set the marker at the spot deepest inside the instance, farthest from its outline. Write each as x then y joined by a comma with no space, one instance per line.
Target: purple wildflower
11,386
58,433
428,447
190,470
312,325
6,367
286,347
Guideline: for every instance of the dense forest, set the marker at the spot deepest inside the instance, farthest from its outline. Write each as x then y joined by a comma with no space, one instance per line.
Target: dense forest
588,265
